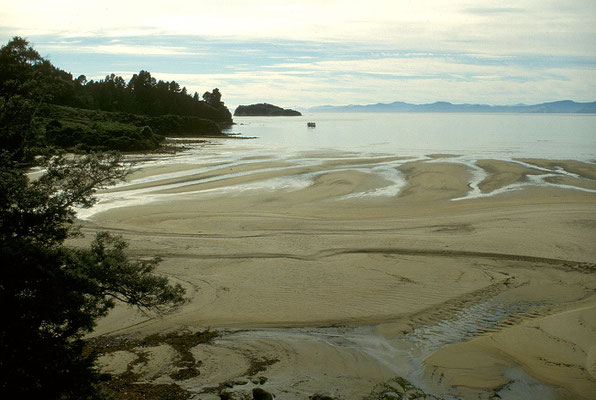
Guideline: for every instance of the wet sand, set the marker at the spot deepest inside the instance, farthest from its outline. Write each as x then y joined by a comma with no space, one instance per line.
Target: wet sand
468,277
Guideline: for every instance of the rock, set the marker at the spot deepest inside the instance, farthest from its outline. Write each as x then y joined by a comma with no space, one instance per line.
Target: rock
261,380
261,394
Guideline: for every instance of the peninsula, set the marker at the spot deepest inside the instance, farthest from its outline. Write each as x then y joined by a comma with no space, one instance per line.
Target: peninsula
264,110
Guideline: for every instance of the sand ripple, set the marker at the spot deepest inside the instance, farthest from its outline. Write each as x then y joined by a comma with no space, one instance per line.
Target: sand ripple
350,269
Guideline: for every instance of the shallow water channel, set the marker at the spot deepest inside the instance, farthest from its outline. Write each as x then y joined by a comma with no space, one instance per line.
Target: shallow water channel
404,353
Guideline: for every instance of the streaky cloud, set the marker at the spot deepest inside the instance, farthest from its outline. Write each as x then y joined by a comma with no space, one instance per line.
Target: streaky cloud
494,10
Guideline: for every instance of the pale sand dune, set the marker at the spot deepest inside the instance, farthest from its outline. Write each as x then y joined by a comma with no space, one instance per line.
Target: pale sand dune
501,273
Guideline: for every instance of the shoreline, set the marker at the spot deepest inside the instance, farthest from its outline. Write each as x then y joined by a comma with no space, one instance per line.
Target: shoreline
313,242
477,178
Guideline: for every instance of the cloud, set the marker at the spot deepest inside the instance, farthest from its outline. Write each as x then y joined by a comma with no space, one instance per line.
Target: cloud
412,79
311,52
484,11
116,48
502,26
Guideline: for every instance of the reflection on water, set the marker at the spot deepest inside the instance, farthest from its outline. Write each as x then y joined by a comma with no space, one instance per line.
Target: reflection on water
552,136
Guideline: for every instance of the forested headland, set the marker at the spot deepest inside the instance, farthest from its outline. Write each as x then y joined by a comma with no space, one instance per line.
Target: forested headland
42,105
52,294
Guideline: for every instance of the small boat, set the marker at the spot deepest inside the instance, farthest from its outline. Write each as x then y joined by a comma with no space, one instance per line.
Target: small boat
311,125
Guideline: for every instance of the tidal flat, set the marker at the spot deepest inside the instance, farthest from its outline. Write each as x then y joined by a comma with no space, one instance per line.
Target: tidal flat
338,271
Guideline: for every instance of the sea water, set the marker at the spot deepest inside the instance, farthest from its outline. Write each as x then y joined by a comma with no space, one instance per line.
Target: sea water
550,136
467,137
403,136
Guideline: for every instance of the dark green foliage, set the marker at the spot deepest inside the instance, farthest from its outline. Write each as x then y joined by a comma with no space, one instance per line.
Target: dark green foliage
265,110
16,136
114,276
67,127
41,104
52,295
176,125
101,136
18,69
146,96
21,94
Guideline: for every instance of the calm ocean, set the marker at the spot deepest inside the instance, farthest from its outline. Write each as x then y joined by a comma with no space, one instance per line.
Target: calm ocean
553,136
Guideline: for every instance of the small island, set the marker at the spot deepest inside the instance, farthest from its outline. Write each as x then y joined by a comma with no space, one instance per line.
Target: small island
264,110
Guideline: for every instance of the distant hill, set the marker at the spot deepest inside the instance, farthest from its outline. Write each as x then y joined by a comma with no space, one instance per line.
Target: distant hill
264,110
565,106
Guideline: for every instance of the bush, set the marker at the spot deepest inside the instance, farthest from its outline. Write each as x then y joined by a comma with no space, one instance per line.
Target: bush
51,295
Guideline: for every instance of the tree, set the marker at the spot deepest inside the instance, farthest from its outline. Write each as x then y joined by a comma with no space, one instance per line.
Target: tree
25,73
81,80
174,87
16,119
26,81
51,295
21,93
17,67
214,100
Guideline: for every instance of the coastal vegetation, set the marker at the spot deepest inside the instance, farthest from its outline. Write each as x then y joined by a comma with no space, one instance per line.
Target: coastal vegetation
52,294
264,110
79,129
42,105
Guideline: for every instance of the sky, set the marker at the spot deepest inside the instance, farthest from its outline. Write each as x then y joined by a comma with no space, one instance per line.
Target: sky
307,53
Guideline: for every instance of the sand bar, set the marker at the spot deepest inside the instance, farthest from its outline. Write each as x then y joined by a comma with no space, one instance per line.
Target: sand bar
340,267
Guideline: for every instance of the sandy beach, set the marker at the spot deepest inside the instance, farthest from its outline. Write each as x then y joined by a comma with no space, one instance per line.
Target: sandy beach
338,272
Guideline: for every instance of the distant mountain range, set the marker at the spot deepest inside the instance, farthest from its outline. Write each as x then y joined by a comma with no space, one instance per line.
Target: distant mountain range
565,106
